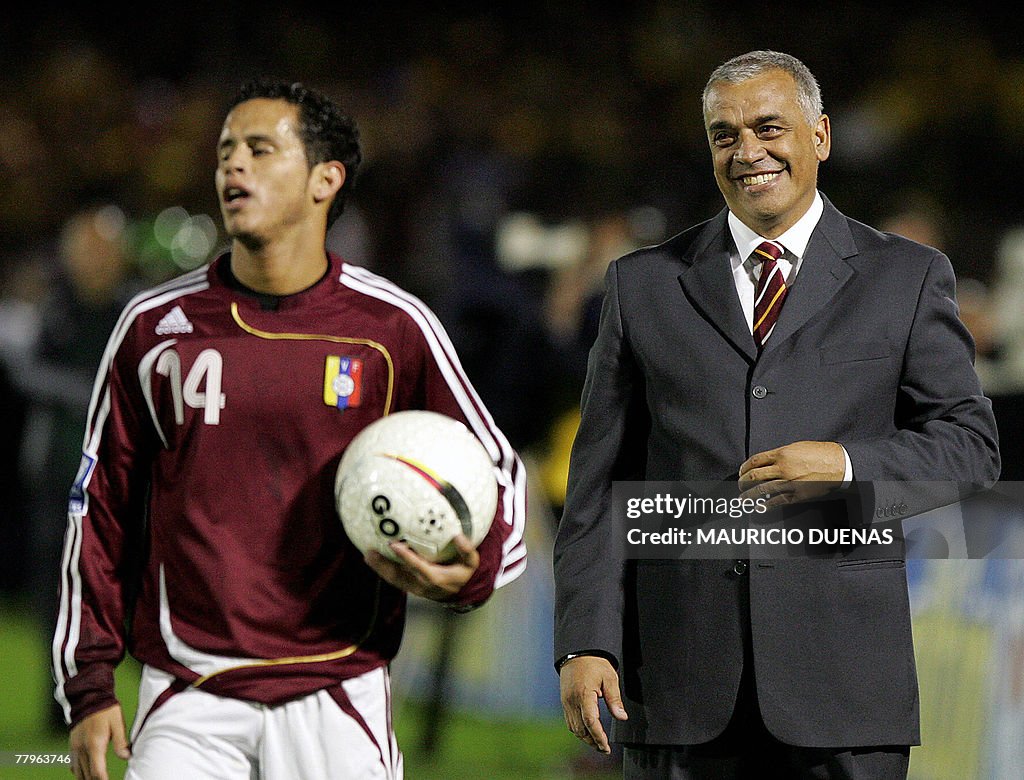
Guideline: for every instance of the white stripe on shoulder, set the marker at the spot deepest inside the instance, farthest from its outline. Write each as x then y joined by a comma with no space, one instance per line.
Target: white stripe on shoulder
186,284
440,346
69,617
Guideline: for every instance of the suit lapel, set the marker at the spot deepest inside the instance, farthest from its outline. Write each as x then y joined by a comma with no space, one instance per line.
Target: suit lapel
710,286
823,272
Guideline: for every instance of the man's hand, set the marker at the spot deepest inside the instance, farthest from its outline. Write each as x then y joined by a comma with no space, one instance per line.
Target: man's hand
583,680
90,738
796,472
415,574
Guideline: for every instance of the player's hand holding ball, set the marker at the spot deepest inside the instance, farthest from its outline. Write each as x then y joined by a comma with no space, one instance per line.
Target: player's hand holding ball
416,493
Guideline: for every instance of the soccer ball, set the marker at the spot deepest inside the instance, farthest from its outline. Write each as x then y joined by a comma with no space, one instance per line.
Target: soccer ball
418,477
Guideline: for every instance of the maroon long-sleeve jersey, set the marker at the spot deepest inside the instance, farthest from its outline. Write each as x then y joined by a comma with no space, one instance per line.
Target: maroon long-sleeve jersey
202,530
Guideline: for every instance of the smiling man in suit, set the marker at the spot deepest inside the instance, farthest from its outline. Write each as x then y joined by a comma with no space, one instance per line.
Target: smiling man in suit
789,348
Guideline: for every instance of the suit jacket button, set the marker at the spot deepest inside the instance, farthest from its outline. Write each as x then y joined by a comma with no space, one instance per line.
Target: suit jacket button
739,568
759,391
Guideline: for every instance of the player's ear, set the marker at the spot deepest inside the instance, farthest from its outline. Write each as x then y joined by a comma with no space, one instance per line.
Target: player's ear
327,179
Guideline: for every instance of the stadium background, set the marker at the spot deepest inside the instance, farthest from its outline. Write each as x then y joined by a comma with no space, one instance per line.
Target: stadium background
509,155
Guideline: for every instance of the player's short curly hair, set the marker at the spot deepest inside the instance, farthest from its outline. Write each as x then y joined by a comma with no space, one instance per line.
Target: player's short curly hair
326,131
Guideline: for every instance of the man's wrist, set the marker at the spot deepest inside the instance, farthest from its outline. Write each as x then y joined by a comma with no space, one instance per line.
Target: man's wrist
598,653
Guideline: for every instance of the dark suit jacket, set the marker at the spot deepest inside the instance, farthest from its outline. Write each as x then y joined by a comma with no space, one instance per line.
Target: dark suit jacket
868,352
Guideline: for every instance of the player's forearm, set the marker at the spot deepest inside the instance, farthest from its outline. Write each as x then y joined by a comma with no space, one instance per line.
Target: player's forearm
89,639
90,690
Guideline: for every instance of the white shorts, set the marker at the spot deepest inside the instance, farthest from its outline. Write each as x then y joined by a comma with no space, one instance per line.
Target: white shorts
197,735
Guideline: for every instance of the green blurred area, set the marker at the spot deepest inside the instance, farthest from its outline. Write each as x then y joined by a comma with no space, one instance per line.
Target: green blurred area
468,747
969,638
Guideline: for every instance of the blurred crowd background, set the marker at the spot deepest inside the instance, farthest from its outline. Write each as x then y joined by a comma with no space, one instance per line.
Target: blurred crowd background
510,154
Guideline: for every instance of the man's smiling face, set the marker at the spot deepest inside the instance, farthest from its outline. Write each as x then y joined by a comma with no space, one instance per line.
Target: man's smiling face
764,150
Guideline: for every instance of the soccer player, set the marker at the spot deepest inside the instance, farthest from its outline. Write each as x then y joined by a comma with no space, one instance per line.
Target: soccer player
202,533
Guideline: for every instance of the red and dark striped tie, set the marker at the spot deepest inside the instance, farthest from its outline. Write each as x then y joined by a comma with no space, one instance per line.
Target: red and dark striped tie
771,291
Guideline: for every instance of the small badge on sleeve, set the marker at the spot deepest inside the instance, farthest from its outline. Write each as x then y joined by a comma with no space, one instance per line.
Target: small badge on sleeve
343,381
78,501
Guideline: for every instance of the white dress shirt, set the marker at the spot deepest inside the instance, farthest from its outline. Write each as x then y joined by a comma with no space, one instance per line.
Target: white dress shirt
745,271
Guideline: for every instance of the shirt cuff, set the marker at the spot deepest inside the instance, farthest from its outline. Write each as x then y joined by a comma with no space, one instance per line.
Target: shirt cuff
848,473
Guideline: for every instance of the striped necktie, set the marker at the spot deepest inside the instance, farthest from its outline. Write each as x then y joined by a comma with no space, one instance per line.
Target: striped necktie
771,291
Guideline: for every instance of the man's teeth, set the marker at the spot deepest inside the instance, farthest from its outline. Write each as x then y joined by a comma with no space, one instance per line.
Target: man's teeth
762,178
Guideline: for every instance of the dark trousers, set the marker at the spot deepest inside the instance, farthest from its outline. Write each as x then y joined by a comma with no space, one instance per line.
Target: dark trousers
746,749
682,764
754,753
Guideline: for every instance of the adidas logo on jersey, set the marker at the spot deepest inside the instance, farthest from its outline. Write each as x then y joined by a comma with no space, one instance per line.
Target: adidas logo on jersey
174,321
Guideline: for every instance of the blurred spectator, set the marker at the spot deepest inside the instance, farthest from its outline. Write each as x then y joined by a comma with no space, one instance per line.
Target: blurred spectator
579,256
573,301
918,216
14,549
21,287
22,291
92,281
1006,315
491,310
997,321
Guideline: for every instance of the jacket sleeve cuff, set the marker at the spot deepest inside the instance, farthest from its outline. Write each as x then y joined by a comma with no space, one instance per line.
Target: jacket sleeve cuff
599,653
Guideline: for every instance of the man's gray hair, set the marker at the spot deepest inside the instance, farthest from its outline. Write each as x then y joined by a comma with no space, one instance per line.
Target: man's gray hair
755,63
